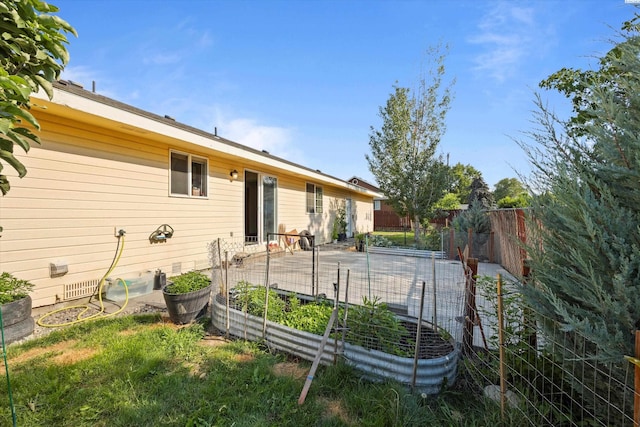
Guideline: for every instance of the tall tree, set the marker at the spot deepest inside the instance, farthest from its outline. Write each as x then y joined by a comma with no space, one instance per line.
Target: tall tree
404,157
32,56
480,194
460,179
586,256
508,187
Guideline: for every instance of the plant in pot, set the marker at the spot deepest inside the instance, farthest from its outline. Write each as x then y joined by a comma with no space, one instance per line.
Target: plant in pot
187,296
361,241
334,232
15,303
341,223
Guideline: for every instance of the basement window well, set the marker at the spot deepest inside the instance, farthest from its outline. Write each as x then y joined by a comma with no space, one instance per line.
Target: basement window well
189,175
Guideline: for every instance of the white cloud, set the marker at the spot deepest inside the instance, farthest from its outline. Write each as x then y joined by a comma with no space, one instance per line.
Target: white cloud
87,77
507,36
277,140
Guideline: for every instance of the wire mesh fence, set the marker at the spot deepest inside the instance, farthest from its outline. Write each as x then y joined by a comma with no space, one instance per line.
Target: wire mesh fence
545,374
548,374
394,280
380,296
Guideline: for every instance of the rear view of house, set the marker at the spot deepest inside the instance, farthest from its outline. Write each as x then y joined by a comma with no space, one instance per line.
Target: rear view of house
107,174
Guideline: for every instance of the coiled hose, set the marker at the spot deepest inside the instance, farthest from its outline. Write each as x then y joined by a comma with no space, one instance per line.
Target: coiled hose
87,307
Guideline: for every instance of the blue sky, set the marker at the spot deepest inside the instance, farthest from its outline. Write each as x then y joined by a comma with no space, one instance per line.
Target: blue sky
305,79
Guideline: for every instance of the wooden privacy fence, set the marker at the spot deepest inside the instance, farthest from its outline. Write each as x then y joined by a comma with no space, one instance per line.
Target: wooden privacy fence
510,232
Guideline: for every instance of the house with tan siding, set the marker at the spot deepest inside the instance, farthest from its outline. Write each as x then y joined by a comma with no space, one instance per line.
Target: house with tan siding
104,166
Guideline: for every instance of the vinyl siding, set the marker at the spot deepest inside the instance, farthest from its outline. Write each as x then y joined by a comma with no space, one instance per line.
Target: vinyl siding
83,181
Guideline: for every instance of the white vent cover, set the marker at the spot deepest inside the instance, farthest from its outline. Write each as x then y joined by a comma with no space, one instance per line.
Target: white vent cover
80,289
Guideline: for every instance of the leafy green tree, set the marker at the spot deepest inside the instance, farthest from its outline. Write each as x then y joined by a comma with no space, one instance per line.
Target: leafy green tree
480,193
521,201
441,208
460,179
448,202
403,156
585,255
32,56
511,187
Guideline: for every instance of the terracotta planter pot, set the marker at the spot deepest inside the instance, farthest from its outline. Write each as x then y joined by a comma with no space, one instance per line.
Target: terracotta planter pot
17,320
185,308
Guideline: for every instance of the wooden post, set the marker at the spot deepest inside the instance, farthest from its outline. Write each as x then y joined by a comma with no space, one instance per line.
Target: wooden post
316,360
470,303
503,383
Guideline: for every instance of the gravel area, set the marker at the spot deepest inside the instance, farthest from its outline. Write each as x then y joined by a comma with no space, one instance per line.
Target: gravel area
60,316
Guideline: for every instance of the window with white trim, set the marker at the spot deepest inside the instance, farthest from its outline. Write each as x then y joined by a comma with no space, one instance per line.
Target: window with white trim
189,175
376,205
314,198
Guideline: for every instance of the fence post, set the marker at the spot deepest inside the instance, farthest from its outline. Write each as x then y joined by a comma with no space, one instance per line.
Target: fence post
528,320
226,286
266,290
416,354
491,242
469,306
452,236
503,384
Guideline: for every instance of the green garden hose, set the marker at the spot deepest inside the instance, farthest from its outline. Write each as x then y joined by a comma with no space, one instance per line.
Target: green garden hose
86,307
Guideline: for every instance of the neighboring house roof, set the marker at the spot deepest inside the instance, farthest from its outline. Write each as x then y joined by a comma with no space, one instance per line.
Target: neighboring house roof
365,184
71,99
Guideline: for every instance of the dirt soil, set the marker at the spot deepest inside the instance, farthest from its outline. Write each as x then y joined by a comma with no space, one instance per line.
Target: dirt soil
432,345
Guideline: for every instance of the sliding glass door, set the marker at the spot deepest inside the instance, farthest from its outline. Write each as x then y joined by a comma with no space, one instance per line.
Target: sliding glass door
260,208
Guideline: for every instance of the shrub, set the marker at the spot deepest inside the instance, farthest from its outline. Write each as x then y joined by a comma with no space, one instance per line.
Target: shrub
188,282
13,289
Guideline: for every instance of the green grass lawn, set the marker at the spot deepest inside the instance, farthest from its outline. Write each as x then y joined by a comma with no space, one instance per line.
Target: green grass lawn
397,238
139,370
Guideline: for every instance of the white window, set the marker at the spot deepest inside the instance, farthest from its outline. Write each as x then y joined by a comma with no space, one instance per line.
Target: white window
314,198
376,205
189,175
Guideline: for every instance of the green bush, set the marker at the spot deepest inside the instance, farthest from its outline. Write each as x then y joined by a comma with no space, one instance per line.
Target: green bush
188,282
13,289
371,325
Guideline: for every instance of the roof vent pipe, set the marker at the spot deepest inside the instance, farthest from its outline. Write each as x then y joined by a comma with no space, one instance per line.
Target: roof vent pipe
93,86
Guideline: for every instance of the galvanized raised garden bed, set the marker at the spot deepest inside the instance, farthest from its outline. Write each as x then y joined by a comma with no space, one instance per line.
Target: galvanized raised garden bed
428,373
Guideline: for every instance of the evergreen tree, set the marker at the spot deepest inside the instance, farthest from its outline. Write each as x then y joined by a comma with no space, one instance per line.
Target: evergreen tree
585,251
480,193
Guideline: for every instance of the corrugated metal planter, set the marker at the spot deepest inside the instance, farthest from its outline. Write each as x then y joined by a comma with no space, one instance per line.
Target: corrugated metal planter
278,337
431,374
376,365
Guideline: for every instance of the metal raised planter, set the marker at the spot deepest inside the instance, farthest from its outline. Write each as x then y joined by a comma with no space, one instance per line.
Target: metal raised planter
375,365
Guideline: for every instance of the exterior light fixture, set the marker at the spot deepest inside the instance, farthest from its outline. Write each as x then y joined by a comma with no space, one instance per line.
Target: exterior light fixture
234,175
